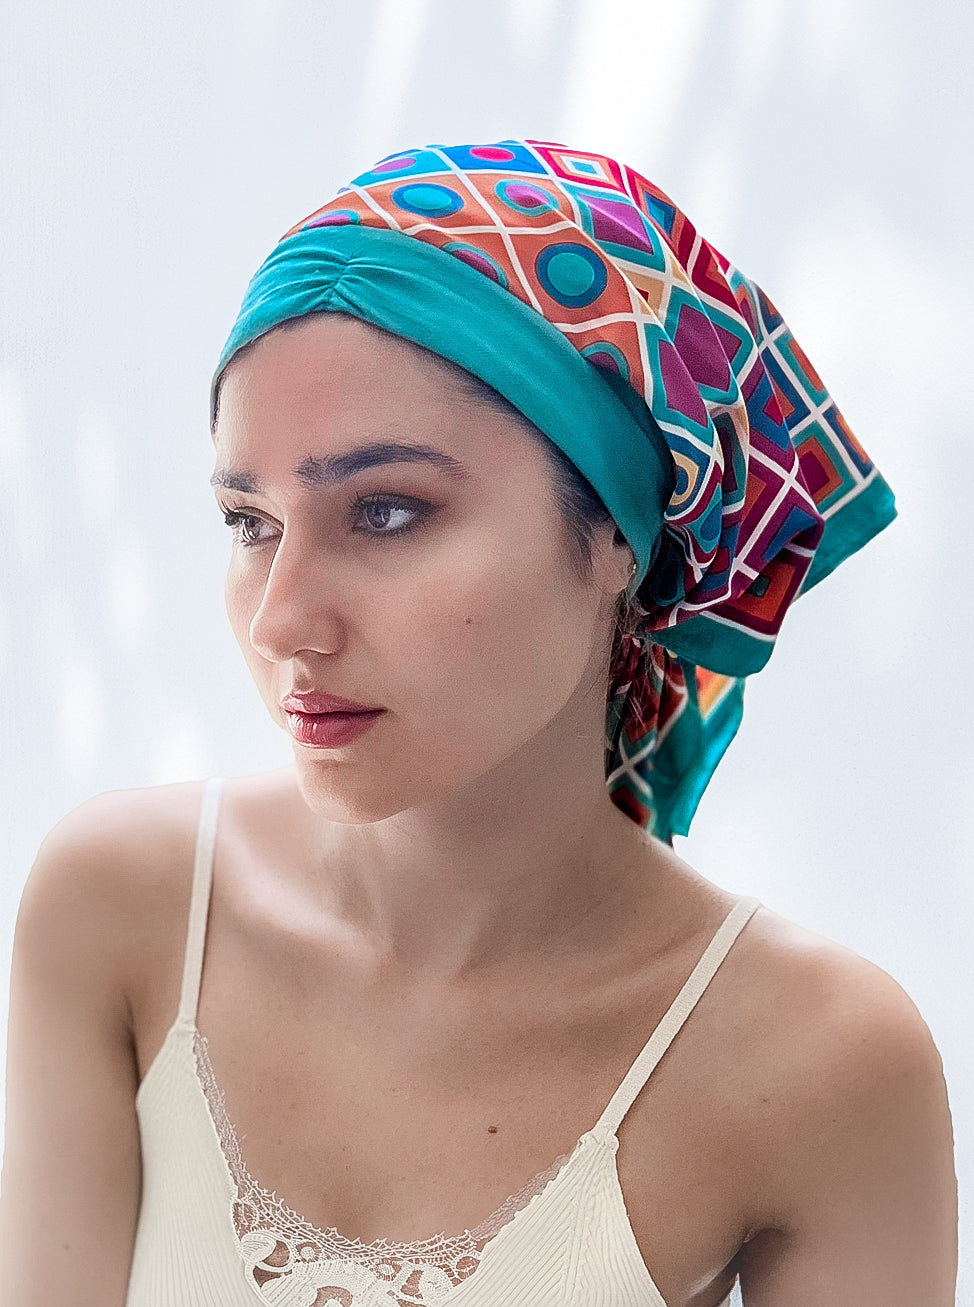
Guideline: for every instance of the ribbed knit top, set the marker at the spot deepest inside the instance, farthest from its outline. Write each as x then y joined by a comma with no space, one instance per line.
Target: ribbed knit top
210,1236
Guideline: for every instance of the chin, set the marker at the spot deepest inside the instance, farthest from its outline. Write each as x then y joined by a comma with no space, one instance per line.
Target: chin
354,797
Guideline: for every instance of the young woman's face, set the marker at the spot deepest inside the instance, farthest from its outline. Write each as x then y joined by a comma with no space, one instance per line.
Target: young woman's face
398,545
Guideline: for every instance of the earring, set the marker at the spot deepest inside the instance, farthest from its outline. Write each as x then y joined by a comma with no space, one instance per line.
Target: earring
632,572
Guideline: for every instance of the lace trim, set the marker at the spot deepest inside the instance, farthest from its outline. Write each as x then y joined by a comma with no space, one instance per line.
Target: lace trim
325,1268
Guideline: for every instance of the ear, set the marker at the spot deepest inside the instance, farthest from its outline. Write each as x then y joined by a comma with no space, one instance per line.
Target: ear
614,561
621,544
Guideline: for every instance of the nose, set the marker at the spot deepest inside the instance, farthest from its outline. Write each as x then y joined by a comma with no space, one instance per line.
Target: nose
299,609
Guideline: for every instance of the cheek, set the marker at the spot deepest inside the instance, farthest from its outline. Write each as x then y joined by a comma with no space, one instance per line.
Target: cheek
492,650
242,592
235,600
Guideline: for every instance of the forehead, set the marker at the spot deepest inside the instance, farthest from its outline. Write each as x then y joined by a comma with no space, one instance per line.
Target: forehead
336,358
316,389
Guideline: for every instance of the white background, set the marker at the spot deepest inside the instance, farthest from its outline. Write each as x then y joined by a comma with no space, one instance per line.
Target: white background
151,156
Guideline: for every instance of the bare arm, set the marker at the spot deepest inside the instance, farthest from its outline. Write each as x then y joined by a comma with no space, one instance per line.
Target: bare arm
868,1197
71,1172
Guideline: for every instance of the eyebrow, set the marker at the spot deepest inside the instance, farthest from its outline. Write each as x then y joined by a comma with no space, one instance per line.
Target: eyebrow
330,468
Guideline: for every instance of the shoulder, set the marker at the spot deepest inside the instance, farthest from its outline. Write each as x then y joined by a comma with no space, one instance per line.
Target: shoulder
103,877
97,902
119,818
111,884
828,1003
842,1069
110,844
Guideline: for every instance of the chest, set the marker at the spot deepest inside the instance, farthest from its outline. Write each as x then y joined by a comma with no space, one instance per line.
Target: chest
386,1119
395,1115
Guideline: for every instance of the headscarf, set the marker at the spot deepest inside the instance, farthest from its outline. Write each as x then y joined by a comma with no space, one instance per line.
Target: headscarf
579,291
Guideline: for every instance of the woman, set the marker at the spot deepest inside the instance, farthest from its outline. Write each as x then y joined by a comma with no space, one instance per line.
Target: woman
522,476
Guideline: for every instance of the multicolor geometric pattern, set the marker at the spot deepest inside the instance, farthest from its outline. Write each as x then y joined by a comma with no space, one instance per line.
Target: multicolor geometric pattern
771,490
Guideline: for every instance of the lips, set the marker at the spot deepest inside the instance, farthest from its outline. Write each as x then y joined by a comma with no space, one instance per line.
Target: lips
331,729
314,702
325,721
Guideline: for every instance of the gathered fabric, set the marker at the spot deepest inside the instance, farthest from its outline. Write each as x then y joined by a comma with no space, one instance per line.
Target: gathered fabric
580,292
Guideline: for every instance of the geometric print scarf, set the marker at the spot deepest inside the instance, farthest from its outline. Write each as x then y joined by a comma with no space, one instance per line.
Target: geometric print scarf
768,489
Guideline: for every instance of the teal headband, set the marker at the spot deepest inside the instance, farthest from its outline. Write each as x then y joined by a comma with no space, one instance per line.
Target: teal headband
419,292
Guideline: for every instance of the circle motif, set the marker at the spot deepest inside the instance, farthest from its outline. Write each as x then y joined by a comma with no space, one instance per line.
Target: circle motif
399,164
427,200
687,479
491,153
335,218
572,274
525,197
476,258
610,358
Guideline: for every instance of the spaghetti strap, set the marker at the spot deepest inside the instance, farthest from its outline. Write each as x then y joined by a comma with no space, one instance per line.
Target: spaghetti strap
677,1013
200,899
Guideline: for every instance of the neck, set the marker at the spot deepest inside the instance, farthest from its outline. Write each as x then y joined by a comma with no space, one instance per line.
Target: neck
532,856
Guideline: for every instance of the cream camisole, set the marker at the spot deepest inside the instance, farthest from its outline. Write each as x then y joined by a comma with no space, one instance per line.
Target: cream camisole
210,1236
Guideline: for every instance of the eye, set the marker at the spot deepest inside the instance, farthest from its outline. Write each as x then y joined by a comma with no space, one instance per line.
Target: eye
384,514
247,527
